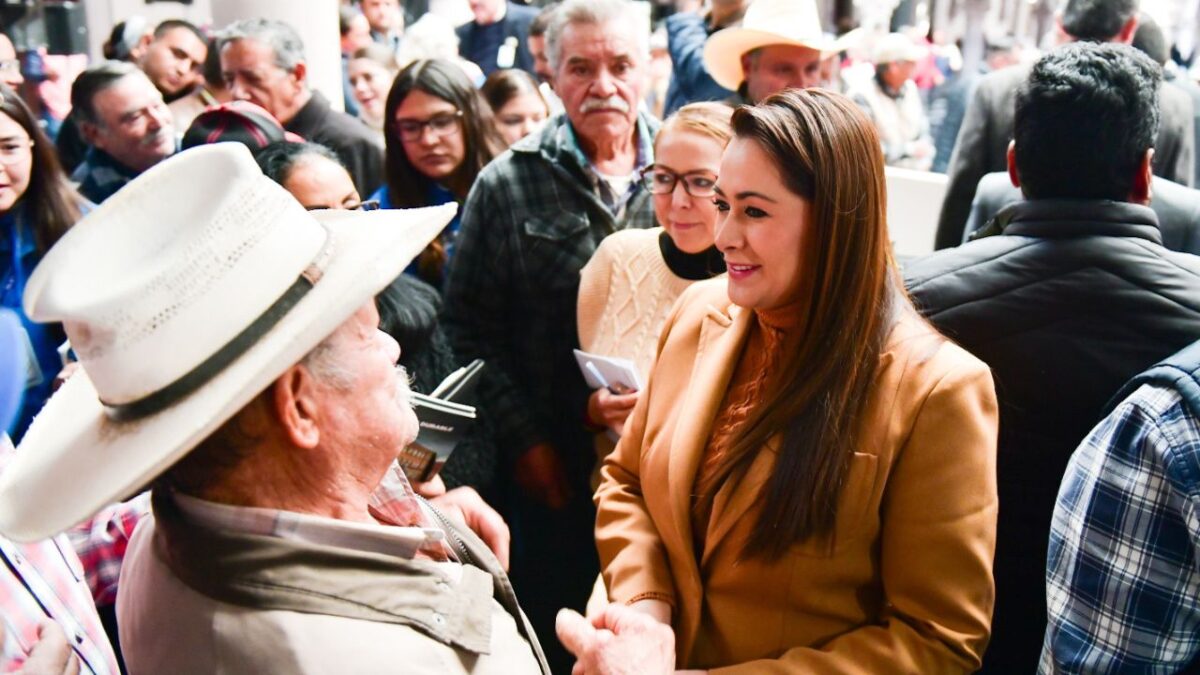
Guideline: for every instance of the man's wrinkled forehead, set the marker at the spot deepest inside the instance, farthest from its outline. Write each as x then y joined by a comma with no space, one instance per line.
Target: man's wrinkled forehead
185,40
786,53
599,42
248,56
126,97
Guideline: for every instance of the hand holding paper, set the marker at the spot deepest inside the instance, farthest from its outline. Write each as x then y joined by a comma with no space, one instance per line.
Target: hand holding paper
620,376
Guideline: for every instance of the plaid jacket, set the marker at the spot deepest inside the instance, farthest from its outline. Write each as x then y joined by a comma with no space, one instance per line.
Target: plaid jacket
530,223
46,580
1122,580
100,175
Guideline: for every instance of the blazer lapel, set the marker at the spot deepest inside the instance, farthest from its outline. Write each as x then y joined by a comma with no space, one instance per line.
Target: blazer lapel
722,336
735,498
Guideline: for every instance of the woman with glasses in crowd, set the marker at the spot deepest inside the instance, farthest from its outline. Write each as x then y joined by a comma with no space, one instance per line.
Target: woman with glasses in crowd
629,286
807,483
439,135
517,104
37,206
408,307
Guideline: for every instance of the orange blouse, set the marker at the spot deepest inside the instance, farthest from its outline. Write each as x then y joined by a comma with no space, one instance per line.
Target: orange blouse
770,334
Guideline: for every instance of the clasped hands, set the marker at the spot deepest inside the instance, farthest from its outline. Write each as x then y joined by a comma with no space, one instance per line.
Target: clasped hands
621,640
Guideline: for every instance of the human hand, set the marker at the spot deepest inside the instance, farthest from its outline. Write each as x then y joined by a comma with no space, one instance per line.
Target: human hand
611,410
52,654
466,506
435,487
618,641
540,474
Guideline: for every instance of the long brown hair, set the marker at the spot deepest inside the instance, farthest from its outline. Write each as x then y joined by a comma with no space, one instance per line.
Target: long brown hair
407,187
828,152
51,203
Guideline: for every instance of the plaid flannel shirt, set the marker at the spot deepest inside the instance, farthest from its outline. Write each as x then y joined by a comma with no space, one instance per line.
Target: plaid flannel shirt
1122,582
45,580
101,541
530,223
100,176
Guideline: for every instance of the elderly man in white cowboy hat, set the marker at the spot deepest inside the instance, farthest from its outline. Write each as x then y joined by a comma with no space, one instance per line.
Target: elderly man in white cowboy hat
892,101
778,46
231,359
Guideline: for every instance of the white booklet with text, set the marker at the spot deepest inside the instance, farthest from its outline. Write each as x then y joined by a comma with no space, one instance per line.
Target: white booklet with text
620,376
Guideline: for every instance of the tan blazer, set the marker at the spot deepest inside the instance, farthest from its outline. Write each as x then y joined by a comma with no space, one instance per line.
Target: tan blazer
905,585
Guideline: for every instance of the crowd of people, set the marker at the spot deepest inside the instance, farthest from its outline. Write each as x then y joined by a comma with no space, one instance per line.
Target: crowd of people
223,295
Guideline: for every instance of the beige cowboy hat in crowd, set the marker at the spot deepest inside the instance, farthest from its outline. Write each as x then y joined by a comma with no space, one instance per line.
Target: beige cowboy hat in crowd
185,295
769,22
896,47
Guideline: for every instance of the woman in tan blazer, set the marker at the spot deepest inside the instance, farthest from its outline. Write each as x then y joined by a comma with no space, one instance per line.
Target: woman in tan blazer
807,484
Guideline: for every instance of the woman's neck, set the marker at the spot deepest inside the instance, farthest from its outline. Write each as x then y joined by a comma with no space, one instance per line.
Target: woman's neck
785,318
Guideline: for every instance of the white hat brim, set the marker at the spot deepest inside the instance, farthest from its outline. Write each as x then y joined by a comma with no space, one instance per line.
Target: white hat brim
74,460
724,49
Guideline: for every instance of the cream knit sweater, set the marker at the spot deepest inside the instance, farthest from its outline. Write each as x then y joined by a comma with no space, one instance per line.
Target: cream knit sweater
626,292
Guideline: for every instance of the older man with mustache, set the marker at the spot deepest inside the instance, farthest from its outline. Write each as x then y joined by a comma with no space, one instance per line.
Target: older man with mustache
123,118
531,222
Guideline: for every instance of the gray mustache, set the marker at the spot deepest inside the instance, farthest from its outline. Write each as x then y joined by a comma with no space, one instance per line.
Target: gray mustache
613,102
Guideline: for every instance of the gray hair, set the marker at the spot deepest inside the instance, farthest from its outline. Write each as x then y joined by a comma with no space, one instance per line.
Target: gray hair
596,12
283,40
324,362
94,80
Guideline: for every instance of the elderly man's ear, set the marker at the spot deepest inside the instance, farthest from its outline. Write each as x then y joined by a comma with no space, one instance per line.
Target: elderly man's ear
300,72
294,403
90,132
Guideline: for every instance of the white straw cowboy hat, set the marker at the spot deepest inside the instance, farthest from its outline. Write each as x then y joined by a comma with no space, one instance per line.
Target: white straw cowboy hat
185,295
768,22
895,47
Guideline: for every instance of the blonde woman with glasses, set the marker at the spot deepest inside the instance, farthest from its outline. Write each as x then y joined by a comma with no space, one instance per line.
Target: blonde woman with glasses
630,284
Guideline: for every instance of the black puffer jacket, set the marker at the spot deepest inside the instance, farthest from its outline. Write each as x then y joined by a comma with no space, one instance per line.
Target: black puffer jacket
1069,302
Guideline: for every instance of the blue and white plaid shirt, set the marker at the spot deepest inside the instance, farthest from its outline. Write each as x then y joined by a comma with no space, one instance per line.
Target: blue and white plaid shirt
1122,582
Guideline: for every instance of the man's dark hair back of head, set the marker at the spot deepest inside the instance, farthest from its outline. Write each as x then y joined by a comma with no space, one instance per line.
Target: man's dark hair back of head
1085,117
1097,20
1149,39
541,22
346,16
